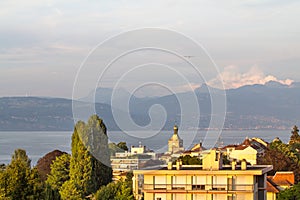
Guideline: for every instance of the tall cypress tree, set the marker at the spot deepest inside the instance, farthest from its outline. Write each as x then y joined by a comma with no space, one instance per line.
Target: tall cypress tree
90,163
96,141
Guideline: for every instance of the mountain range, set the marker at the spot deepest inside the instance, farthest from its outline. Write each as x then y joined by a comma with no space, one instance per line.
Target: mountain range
269,106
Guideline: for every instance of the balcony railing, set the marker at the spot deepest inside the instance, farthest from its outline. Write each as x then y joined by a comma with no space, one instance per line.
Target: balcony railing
199,187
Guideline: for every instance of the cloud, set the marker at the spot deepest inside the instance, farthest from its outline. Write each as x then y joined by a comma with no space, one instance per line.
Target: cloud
233,78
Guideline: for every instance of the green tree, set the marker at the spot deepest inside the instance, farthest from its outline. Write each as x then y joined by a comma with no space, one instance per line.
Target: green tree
282,158
80,168
188,160
19,181
115,191
20,155
97,145
71,191
291,193
128,180
3,184
51,194
59,172
123,145
295,138
90,160
36,185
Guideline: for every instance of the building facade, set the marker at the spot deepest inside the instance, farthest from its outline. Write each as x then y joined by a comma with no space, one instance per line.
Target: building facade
211,181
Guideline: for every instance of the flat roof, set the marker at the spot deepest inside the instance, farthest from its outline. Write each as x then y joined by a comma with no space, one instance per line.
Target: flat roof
197,169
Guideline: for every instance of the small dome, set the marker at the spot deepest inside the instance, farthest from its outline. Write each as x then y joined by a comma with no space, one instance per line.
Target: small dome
175,127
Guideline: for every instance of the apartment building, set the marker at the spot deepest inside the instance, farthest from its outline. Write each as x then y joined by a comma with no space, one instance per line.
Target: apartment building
211,181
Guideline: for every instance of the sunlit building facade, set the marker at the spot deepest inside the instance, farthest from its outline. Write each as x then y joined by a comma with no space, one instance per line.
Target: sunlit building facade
211,181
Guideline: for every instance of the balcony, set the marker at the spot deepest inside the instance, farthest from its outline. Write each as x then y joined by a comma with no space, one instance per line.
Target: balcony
201,188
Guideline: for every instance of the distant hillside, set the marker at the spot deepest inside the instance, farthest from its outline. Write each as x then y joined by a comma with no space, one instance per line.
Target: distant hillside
270,106
49,114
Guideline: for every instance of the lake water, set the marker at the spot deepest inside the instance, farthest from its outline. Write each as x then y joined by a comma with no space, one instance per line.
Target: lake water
38,143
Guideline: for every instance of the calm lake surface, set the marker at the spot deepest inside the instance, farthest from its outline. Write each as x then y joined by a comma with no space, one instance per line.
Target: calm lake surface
38,143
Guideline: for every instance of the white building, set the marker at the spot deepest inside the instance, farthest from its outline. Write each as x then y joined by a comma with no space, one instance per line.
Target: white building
211,181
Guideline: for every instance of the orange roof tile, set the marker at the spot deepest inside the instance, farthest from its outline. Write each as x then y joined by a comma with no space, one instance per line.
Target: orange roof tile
284,178
271,187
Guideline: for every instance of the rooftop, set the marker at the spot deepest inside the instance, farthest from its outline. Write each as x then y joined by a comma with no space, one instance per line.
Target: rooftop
197,169
283,178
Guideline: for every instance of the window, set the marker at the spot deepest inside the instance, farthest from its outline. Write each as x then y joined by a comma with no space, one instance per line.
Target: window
198,182
159,182
231,197
217,156
178,182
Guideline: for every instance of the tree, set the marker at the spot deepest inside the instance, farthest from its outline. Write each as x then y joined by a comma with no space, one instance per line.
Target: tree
36,185
290,193
90,160
44,163
115,191
51,194
59,172
20,155
282,158
188,160
97,145
122,145
19,181
80,168
295,138
70,190
128,179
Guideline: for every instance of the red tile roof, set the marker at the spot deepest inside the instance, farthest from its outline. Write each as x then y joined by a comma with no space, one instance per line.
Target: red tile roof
284,178
241,147
271,186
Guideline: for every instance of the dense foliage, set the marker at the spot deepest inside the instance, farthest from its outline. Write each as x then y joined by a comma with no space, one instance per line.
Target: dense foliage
284,157
90,162
44,163
290,193
123,146
295,138
59,173
76,176
18,180
121,190
189,160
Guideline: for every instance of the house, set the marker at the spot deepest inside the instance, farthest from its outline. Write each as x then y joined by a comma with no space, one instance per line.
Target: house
244,152
210,181
249,150
280,181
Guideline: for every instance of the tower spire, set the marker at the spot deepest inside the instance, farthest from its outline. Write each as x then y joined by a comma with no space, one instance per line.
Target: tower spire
175,129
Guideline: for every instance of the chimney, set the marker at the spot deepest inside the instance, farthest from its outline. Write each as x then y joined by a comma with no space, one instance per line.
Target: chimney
243,165
170,165
233,164
178,165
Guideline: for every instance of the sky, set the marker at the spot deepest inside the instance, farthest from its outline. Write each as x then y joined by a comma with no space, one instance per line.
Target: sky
44,43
